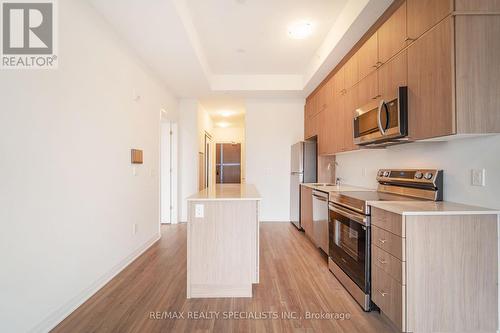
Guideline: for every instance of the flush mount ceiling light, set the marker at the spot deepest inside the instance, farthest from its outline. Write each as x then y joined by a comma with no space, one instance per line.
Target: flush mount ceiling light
300,30
226,113
222,124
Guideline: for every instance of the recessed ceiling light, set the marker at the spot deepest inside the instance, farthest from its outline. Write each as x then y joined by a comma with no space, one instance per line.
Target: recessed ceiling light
226,113
300,30
222,124
240,50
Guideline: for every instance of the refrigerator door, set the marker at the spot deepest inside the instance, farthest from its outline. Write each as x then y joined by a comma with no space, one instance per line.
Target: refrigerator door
297,161
296,178
310,164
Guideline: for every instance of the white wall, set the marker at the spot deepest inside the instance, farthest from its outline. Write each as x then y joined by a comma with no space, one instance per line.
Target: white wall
457,158
188,153
272,126
68,199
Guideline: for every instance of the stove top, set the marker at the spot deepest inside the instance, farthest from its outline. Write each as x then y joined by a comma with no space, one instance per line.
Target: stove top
358,200
394,185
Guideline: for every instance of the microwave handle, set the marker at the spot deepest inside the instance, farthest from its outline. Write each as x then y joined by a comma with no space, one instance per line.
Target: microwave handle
379,116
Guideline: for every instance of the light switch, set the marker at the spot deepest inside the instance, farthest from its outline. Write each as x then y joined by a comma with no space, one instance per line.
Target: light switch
199,211
479,177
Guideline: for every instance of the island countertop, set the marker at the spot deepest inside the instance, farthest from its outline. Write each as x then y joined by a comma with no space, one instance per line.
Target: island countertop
227,192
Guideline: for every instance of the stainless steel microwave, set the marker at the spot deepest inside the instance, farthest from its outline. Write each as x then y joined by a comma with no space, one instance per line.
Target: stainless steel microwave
381,122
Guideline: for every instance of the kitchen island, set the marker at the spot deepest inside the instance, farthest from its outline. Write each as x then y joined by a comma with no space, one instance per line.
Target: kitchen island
223,241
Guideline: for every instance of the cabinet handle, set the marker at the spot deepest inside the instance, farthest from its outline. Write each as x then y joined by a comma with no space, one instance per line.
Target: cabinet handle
408,39
382,261
382,241
382,293
378,96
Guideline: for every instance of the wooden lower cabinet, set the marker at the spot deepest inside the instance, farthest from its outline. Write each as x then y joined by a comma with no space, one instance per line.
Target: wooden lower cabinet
440,274
306,214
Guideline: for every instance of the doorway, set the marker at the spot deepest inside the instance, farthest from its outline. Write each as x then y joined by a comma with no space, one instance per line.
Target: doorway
228,163
168,172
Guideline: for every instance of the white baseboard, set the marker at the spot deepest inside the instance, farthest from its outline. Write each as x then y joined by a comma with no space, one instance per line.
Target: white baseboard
59,315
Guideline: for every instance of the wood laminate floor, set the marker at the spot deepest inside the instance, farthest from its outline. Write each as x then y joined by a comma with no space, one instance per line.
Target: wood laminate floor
294,281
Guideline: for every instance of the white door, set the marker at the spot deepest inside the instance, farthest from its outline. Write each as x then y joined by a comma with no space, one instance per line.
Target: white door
168,177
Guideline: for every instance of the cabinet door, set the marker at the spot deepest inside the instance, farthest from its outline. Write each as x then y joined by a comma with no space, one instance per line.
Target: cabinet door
306,215
331,124
392,34
477,5
477,46
321,123
424,14
368,89
368,56
350,104
430,83
351,72
392,75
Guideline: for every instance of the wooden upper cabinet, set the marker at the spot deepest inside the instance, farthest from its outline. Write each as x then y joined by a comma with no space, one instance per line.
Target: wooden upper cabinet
322,128
368,89
368,56
350,104
477,46
391,35
430,83
393,75
338,82
424,14
477,5
351,72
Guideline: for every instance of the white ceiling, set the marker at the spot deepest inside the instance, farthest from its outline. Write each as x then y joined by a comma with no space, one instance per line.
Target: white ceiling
251,36
202,48
227,110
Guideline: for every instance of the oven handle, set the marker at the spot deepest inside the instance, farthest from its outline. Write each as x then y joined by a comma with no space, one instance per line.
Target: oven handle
361,219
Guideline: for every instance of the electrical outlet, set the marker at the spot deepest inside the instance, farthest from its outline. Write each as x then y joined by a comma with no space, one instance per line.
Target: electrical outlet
199,211
134,228
479,177
363,172
134,171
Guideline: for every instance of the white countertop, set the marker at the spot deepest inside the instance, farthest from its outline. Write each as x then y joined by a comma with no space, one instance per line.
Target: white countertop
227,192
336,188
430,208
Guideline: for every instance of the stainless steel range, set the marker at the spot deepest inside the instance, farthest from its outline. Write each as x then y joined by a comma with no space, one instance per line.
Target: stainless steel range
349,223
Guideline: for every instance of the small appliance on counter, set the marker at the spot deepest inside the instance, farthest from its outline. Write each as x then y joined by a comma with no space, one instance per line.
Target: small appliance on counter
303,170
349,224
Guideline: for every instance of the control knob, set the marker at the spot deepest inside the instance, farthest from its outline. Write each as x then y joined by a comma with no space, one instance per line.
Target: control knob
428,175
419,175
386,173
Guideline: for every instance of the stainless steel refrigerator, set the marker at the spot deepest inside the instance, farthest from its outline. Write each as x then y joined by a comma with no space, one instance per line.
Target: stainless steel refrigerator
303,170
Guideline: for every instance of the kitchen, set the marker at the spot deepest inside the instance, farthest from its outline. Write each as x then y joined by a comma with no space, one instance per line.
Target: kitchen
331,168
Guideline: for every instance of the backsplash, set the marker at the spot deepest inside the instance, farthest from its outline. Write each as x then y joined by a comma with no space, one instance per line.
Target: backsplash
326,169
457,158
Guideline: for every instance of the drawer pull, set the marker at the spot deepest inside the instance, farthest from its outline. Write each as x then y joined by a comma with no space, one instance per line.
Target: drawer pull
382,241
382,261
382,293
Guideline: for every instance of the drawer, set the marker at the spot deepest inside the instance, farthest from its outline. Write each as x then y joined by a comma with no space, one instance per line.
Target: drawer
389,264
388,294
388,242
388,221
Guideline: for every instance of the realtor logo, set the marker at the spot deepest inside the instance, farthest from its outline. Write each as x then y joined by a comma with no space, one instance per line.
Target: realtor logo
28,34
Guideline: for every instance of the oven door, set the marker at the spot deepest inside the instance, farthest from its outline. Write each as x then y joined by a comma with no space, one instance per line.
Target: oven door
349,244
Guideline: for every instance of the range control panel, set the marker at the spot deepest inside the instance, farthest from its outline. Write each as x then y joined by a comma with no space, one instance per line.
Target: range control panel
409,175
